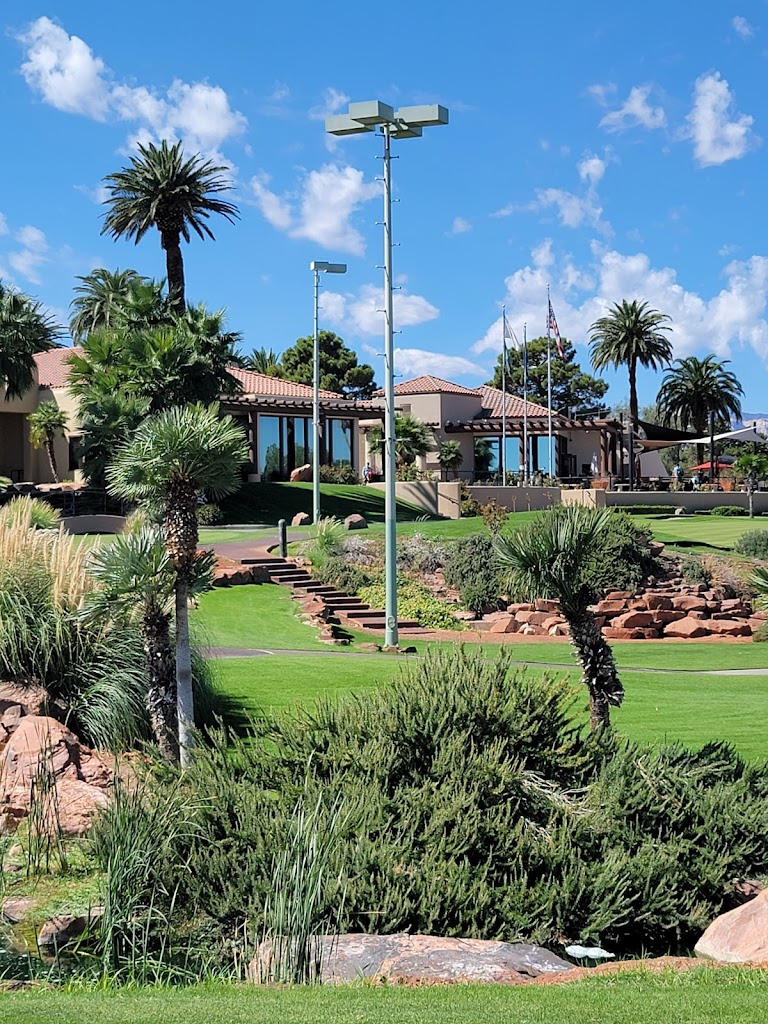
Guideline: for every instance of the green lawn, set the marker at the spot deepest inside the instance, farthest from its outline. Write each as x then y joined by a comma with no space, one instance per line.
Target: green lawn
267,503
713,996
701,531
690,708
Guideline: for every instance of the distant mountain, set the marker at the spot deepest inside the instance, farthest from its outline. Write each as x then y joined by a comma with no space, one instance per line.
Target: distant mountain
758,420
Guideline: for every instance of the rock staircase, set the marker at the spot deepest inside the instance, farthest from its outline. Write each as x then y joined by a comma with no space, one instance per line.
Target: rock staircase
347,608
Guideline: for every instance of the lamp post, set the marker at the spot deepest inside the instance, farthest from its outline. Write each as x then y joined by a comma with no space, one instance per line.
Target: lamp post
405,123
318,267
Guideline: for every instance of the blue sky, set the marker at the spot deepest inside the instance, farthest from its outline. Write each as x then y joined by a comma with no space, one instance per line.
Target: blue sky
610,150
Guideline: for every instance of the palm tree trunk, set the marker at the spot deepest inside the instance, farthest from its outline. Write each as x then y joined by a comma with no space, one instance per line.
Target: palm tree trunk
634,411
174,268
52,458
184,696
161,692
599,668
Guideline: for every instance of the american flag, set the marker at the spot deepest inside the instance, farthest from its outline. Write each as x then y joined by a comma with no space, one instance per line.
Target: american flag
552,326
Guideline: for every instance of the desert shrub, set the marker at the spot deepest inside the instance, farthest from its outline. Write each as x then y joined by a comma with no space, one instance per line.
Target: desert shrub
340,473
474,803
623,560
648,510
419,554
494,515
209,514
472,569
338,572
760,636
413,602
694,571
754,544
30,512
728,576
470,507
729,510
327,542
359,550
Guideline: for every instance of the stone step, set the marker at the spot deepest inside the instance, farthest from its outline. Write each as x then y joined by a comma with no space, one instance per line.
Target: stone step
266,560
289,578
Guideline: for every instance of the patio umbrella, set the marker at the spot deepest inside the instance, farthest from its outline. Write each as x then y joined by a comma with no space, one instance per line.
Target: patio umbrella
720,463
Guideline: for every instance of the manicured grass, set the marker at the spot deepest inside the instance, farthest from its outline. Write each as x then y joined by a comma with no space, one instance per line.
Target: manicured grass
213,536
701,531
263,615
267,503
711,995
689,708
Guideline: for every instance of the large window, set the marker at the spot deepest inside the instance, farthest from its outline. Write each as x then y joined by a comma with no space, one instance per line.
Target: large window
285,442
339,442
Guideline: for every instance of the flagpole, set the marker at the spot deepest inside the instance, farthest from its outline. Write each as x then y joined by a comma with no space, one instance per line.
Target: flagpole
526,474
503,453
549,384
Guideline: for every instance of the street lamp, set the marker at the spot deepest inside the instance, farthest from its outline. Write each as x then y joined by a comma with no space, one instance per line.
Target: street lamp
405,123
318,267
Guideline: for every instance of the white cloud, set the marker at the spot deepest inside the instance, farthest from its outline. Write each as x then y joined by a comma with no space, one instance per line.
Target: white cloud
332,102
413,362
460,226
97,194
573,210
635,110
592,169
737,315
64,70
717,138
322,211
361,312
33,253
742,27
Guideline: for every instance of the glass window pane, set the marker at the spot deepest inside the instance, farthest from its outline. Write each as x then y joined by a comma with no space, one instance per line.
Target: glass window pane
269,447
341,442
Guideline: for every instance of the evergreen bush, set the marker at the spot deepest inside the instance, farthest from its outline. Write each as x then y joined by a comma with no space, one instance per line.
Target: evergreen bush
754,544
472,568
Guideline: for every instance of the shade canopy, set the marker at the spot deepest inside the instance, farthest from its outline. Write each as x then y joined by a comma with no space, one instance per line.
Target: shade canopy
720,463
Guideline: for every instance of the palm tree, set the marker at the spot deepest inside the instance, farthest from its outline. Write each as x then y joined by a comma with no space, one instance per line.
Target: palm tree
412,438
47,423
630,334
99,297
264,360
171,458
25,330
548,559
754,468
450,456
136,582
164,189
698,394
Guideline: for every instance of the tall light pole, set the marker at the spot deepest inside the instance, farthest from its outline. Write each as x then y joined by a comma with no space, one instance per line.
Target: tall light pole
318,267
405,123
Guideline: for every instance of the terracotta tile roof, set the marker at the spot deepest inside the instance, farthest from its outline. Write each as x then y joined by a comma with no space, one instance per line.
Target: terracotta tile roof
493,398
429,385
260,384
53,366
53,372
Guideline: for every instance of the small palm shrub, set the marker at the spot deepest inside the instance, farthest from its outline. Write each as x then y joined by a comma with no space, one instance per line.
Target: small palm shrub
30,512
472,568
754,544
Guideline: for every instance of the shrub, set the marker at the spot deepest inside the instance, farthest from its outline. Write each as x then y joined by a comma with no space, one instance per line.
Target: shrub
359,550
760,636
494,515
728,576
337,572
648,510
694,571
30,512
729,510
340,473
209,514
472,569
470,507
419,554
623,560
413,602
754,544
327,542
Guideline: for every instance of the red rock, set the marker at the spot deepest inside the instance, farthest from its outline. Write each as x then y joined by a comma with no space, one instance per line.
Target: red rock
607,607
520,606
301,519
559,629
632,620
695,614
687,603
355,522
726,627
731,603
553,620
739,936
616,633
755,623
619,595
507,624
686,629
529,630
663,617
546,606
302,474
533,618
639,604
658,602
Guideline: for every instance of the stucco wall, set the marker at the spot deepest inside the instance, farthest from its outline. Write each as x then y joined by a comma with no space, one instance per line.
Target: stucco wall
438,498
518,499
689,500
